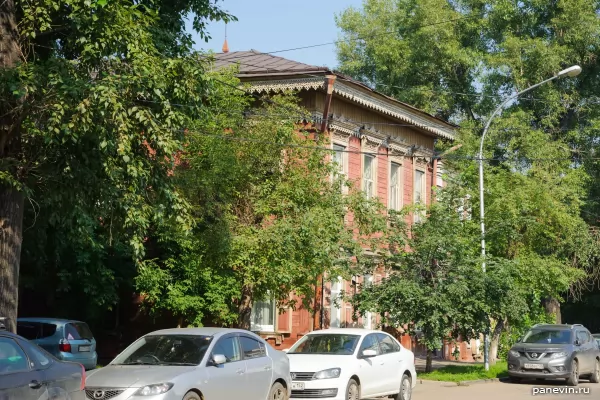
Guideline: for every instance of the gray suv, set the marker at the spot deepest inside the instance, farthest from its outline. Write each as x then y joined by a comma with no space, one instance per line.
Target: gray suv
555,351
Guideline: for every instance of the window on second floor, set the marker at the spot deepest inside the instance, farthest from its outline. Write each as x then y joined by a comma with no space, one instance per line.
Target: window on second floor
419,193
338,157
369,176
395,201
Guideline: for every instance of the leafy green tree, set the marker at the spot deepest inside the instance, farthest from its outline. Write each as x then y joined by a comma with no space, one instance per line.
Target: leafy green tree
88,129
268,217
459,59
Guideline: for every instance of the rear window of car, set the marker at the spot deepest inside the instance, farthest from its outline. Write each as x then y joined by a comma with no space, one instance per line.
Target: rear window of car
77,331
35,330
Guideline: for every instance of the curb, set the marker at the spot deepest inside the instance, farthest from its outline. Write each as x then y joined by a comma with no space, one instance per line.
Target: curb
466,383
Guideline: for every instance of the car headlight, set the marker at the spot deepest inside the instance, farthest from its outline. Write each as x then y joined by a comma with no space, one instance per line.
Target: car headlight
514,353
328,373
153,390
559,355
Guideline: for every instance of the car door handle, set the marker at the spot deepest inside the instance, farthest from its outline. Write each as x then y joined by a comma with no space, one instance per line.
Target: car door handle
35,385
267,368
240,372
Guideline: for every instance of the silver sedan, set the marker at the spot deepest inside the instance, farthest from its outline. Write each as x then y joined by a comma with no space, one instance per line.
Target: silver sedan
194,364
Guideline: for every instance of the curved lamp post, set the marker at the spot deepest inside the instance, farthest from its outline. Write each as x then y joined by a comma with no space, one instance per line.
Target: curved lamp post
569,72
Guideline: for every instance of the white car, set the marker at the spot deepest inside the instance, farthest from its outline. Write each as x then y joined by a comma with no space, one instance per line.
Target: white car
351,364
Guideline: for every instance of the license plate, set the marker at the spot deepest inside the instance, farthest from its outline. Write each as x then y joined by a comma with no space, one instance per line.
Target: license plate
534,366
85,348
297,385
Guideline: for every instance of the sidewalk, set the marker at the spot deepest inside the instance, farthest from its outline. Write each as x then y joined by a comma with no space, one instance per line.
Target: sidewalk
436,363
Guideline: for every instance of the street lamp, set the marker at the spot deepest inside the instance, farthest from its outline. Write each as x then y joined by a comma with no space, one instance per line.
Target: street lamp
569,72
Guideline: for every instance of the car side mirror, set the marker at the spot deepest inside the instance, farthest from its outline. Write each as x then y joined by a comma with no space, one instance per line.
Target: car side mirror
368,353
218,359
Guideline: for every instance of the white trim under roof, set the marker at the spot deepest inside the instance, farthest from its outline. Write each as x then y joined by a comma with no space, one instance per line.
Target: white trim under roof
357,96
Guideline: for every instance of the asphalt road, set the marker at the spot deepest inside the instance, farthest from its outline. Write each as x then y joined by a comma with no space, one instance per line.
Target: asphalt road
505,391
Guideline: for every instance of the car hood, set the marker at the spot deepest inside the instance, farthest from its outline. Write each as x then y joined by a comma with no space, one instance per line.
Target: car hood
539,347
318,362
125,376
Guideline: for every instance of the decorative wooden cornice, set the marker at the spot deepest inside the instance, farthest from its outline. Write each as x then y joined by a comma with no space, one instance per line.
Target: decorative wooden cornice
372,102
360,97
282,85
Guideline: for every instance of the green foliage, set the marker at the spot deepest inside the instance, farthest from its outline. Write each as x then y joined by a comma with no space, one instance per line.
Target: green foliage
268,218
459,60
99,109
460,373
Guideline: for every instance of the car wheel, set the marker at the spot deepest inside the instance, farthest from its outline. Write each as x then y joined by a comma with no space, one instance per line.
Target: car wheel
192,396
514,379
595,378
573,380
352,390
405,388
278,392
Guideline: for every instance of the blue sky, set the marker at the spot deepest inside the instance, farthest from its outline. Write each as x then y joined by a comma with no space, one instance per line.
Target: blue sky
270,25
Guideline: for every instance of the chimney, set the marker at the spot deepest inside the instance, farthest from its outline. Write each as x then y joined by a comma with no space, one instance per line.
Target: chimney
225,48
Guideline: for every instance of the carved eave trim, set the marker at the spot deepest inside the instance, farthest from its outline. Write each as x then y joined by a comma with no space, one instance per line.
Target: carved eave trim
282,85
392,110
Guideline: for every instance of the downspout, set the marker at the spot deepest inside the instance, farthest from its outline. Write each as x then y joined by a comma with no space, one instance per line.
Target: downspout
434,172
320,292
328,97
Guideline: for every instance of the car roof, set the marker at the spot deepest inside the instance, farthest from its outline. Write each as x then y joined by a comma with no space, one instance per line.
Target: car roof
559,327
10,335
49,320
204,331
344,331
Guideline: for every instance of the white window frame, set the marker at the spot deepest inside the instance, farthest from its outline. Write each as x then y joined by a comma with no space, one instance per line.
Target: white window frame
418,215
398,190
335,311
373,179
344,158
267,327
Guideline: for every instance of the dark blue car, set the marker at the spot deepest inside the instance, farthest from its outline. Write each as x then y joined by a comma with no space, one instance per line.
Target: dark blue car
27,372
67,340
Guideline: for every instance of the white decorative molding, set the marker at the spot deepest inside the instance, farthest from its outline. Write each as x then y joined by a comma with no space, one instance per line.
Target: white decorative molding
370,143
282,85
395,111
398,150
341,134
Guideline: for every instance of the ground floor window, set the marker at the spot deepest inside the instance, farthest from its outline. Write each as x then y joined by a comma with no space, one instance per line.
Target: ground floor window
263,316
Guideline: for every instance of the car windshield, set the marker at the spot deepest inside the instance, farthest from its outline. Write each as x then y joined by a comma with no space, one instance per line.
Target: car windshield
78,331
548,336
339,344
165,350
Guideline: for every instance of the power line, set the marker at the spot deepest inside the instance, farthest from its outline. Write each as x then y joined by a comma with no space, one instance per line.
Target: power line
387,32
328,149
309,116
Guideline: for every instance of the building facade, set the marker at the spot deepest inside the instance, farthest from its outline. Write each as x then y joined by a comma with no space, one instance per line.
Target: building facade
383,145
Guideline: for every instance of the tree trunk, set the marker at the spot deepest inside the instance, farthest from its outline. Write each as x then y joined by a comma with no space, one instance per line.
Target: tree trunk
245,308
317,307
552,307
11,237
496,341
11,200
429,361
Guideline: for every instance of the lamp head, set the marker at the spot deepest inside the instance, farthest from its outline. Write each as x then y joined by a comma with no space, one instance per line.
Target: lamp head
570,72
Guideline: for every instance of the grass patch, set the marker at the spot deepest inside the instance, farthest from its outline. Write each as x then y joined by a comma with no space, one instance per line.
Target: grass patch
457,373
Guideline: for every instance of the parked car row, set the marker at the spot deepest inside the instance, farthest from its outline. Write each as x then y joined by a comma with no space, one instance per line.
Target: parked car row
549,351
219,363
202,364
